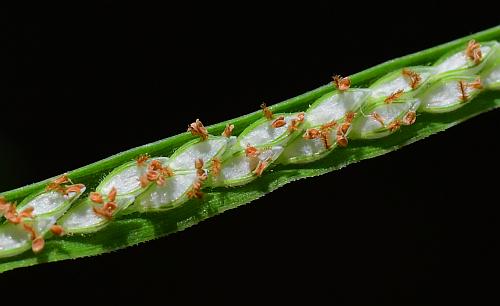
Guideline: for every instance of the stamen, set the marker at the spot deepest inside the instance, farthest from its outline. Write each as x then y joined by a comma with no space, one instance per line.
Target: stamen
462,85
142,159
216,166
409,118
414,77
279,122
379,118
395,125
57,230
251,151
228,131
473,51
341,83
198,129
261,166
96,197
38,244
267,112
393,96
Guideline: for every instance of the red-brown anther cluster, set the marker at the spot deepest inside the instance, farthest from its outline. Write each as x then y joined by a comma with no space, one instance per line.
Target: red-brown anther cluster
409,118
414,77
321,133
341,83
266,111
198,129
60,185
378,118
343,128
37,241
395,125
393,96
195,192
142,159
156,173
107,209
216,165
279,122
228,131
251,151
8,210
473,51
294,123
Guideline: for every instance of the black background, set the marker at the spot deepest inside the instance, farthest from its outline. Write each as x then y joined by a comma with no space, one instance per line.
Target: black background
417,226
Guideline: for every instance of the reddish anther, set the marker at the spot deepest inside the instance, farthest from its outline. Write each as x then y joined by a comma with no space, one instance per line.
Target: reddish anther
393,96
155,165
462,87
349,116
409,118
112,194
57,230
261,166
28,228
106,210
195,191
63,179
198,165
251,151
216,166
294,123
342,83
77,188
414,77
38,244
142,159
341,139
378,118
279,122
476,84
266,111
96,197
311,134
394,126
228,131
198,129
27,212
473,51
